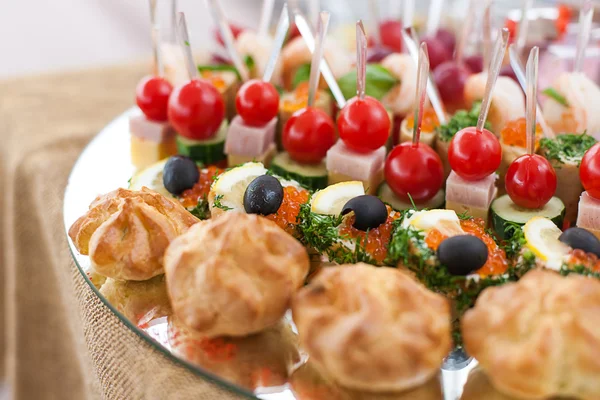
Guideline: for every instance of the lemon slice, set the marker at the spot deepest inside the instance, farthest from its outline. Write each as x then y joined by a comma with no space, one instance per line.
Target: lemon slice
332,199
150,177
231,185
445,221
542,236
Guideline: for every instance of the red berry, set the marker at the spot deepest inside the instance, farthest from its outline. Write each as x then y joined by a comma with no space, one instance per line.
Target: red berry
364,125
152,97
390,32
308,134
589,171
530,181
196,109
474,155
257,102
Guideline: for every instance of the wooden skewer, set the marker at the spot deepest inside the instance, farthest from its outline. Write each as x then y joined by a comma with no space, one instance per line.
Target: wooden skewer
532,84
184,42
421,93
317,56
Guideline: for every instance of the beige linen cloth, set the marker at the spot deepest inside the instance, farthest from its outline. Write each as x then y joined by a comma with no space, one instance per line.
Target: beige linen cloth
57,339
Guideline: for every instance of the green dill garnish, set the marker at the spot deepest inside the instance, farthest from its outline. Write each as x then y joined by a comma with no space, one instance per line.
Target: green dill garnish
554,95
202,209
578,269
414,206
569,147
129,181
217,203
462,119
516,239
463,215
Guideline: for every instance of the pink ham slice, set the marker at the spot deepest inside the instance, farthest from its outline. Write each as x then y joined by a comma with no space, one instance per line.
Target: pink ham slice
145,129
589,213
247,140
360,166
473,194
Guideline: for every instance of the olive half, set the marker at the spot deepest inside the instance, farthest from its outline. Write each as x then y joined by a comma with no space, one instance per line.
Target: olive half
462,254
369,211
263,195
180,173
579,238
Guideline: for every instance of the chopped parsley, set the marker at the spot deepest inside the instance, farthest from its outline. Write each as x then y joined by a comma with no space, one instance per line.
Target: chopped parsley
462,119
516,239
217,203
202,209
554,95
578,269
569,147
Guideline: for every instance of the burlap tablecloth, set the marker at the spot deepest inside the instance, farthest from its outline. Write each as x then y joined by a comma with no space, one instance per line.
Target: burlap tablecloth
58,339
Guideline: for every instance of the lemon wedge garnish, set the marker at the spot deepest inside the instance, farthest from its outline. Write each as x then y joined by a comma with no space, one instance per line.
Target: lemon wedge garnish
445,221
231,185
150,177
332,199
542,236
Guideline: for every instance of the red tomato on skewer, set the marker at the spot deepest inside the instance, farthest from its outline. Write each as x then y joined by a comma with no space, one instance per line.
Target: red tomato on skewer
474,155
530,181
390,32
152,97
364,124
589,171
257,102
308,134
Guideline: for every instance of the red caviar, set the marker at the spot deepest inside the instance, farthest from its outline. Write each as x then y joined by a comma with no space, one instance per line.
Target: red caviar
215,79
429,123
289,209
300,99
377,239
515,133
588,260
190,197
496,263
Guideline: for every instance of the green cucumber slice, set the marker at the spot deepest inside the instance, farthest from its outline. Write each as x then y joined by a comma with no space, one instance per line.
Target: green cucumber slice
505,212
207,152
385,193
313,177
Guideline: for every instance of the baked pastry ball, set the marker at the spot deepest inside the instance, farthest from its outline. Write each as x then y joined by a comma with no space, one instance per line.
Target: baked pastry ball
234,275
126,232
372,328
538,337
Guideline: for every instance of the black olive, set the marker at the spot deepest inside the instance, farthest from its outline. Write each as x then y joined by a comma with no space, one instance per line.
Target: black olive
462,254
582,239
180,173
263,195
369,211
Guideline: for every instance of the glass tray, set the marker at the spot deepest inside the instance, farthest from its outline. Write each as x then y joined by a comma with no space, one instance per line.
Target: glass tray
268,365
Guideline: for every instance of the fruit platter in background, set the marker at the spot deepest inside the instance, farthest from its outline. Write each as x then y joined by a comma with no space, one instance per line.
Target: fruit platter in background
319,216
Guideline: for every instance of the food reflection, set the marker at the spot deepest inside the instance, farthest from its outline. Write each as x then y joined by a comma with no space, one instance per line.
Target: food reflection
257,361
309,384
138,301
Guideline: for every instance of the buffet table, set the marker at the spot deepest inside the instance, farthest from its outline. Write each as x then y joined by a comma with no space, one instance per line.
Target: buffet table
59,338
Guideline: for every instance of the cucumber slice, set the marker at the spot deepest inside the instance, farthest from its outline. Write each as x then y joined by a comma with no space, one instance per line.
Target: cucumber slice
313,177
385,193
207,152
504,212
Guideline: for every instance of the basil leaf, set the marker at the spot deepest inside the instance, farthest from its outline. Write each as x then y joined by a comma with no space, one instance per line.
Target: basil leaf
379,82
302,75
553,94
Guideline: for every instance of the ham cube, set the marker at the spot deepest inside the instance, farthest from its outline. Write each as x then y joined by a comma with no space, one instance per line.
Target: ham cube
473,197
151,141
145,129
249,141
589,214
344,164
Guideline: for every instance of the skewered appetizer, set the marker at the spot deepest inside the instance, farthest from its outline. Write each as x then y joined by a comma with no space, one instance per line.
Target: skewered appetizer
256,47
589,204
227,82
429,127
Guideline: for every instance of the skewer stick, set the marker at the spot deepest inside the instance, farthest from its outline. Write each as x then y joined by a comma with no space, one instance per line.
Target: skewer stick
155,31
408,13
184,42
493,72
466,32
434,16
225,30
532,84
174,20
280,33
265,17
517,66
394,9
317,56
314,8
374,22
410,39
523,26
361,60
421,93
585,28
487,34
306,31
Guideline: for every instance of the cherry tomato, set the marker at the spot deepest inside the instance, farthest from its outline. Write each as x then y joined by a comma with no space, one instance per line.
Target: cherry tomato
513,28
414,170
364,125
474,155
257,102
308,134
530,181
196,109
475,63
293,32
152,97
589,171
377,53
390,32
447,38
235,29
564,17
450,78
438,52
